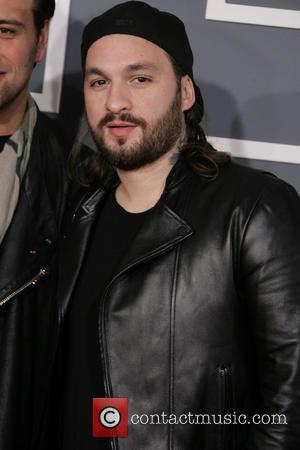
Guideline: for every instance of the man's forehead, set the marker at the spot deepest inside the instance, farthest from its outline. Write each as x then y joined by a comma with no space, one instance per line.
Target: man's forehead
14,9
128,49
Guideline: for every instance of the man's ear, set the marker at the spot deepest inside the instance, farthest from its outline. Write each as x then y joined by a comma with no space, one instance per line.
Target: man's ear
42,42
188,96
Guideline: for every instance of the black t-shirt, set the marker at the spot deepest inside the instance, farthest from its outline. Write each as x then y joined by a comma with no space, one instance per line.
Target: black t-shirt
3,140
82,372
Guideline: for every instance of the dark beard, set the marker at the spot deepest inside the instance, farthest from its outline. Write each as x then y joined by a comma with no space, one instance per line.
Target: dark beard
155,142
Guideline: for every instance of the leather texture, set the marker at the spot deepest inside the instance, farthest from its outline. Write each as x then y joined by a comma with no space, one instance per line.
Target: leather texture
202,315
26,249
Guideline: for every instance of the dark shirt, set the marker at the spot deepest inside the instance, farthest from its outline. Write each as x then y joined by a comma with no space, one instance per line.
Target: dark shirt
3,140
82,371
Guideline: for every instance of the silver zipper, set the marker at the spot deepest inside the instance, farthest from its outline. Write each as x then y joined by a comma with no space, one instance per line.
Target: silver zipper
42,273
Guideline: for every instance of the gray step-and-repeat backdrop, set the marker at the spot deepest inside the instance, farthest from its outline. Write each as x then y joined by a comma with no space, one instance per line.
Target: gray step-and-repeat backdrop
246,63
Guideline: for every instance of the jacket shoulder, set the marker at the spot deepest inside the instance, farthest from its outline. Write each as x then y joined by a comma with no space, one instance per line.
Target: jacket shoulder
244,183
261,202
242,192
49,150
48,132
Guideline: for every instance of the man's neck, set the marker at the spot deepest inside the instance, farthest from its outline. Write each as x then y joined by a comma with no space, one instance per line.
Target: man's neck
141,189
12,115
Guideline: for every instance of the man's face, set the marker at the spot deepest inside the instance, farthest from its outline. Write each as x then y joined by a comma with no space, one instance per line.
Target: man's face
132,100
20,48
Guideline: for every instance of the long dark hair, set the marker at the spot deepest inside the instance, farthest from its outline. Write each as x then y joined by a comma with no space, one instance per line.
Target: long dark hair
42,10
201,156
89,169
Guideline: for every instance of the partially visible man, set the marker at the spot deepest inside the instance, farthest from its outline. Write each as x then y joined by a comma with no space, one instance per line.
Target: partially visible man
32,192
179,279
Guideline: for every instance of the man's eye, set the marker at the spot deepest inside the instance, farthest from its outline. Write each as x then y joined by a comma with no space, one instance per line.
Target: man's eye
98,83
142,80
7,31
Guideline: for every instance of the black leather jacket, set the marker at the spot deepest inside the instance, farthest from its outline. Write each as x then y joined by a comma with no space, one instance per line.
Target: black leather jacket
203,314
24,269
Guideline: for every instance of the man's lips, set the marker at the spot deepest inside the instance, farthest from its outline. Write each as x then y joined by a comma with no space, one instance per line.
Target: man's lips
3,69
120,128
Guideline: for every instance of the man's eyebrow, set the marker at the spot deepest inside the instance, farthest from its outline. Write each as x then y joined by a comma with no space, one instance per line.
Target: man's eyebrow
94,71
15,22
130,68
141,66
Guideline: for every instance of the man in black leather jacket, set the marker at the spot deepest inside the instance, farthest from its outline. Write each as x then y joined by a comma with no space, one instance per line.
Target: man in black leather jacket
32,193
179,273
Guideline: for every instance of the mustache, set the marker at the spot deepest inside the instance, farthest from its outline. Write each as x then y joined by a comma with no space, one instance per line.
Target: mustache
124,117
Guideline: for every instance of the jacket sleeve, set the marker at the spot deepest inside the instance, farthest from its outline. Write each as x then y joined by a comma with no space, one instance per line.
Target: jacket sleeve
270,264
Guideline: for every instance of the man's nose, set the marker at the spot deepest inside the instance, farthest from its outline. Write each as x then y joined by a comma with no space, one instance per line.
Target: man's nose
118,98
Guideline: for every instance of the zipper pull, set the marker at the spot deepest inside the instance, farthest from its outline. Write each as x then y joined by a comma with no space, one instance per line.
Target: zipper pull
41,274
223,371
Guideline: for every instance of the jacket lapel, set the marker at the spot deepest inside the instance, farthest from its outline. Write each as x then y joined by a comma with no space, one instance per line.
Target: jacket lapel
28,241
74,246
159,234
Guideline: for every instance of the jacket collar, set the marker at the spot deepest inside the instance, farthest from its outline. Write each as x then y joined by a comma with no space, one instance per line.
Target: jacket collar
177,175
163,231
